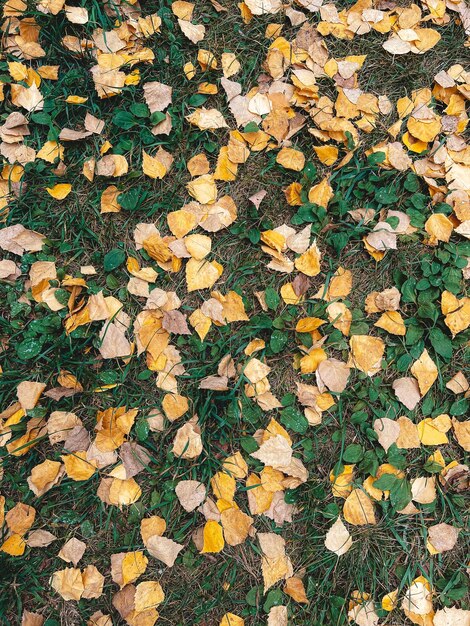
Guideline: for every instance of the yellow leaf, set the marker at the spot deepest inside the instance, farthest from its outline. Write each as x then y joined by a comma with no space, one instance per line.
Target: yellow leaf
424,130
392,322
294,588
292,194
76,99
133,565
223,485
148,595
289,296
230,619
366,353
174,406
225,169
328,155
200,322
51,151
358,509
431,432
202,274
213,537
425,372
259,500
203,189
152,166
456,311
291,159
390,600
414,144
309,262
439,227
60,191
15,545
310,362
341,485
181,222
321,193
77,467
109,201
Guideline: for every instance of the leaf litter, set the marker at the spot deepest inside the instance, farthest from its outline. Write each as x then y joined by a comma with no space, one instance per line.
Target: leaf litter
166,300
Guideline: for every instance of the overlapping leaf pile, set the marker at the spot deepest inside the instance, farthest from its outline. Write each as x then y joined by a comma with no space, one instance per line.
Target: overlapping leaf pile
228,380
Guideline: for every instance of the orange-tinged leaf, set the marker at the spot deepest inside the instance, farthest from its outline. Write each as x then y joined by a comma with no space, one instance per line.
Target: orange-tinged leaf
358,509
60,191
213,537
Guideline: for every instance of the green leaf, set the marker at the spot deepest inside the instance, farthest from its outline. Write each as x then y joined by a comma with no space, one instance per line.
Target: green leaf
408,290
113,259
142,429
400,494
251,127
30,348
139,109
353,453
197,99
386,196
376,157
274,598
441,343
294,420
157,117
124,120
133,199
278,341
253,596
459,407
386,482
272,298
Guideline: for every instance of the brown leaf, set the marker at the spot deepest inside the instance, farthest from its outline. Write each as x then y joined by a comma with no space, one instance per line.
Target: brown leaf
135,458
175,322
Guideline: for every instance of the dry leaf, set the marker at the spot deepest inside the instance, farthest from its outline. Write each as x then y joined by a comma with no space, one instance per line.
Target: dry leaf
338,539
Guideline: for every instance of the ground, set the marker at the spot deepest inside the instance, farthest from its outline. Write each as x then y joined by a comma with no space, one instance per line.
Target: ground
52,335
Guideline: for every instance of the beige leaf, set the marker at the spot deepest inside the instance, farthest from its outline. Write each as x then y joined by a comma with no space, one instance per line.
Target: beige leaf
278,614
32,619
274,563
188,442
164,549
68,583
157,96
418,598
40,538
93,582
332,374
451,616
462,433
387,431
114,343
364,614
443,537
190,493
194,32
338,539
28,394
407,391
275,452
423,489
458,383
